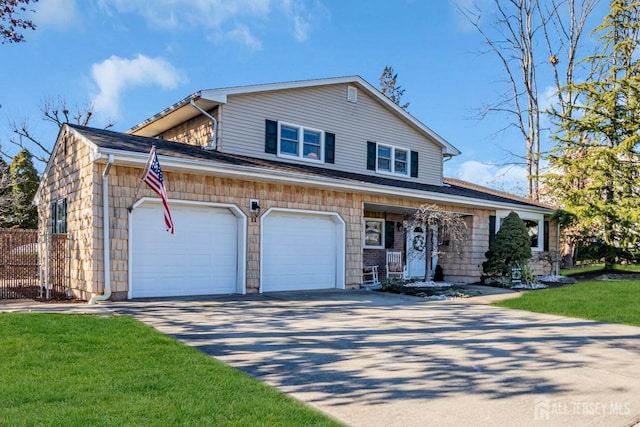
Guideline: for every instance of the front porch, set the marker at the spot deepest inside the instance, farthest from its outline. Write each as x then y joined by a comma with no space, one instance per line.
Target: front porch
386,231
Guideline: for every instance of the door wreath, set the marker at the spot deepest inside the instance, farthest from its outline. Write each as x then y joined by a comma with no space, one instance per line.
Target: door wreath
419,242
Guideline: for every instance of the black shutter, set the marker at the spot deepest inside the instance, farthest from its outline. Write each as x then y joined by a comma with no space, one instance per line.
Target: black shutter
371,155
492,228
546,236
329,147
271,137
389,234
54,211
414,164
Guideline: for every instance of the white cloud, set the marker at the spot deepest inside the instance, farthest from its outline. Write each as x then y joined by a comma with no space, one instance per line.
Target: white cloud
245,16
57,14
178,13
548,98
301,28
509,178
242,34
115,75
304,16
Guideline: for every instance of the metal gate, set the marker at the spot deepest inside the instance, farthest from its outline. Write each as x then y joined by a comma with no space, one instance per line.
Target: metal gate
33,268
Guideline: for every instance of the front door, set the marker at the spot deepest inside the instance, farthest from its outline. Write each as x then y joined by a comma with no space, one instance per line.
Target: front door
419,244
416,252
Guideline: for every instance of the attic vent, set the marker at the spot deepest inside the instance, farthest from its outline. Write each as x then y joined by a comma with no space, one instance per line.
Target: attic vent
352,94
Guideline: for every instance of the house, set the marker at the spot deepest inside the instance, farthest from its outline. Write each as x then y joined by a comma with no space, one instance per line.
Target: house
287,186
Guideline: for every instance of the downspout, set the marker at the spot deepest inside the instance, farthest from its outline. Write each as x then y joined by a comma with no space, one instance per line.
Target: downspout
105,235
214,142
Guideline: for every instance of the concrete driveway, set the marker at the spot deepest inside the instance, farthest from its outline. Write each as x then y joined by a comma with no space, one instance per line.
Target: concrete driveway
373,359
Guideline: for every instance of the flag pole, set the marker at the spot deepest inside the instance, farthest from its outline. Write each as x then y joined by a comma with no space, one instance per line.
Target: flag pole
146,169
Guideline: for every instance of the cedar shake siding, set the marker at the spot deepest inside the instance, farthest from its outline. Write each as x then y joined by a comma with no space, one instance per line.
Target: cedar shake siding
71,175
254,123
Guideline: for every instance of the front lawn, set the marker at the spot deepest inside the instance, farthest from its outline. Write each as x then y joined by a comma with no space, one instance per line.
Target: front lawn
595,269
607,301
112,371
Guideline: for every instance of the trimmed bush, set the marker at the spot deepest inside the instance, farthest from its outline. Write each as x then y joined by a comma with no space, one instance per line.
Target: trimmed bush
511,247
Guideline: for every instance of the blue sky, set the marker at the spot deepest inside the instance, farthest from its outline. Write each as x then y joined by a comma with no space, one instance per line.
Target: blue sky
133,58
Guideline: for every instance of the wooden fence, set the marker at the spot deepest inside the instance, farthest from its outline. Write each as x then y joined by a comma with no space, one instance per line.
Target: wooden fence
33,268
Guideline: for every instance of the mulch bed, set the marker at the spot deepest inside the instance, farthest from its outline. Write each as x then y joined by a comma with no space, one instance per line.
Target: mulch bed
425,292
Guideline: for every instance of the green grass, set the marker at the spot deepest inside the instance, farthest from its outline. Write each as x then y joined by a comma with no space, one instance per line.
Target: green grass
607,301
591,268
76,370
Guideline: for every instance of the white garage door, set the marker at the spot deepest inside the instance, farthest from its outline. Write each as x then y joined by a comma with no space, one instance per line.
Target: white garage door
301,251
199,259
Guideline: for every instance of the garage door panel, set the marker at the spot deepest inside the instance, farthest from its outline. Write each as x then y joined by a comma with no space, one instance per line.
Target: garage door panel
299,252
200,259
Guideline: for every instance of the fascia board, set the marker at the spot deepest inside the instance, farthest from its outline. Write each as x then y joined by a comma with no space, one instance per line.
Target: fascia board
220,96
243,172
64,130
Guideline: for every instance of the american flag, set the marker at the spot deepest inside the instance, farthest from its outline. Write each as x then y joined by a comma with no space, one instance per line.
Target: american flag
153,178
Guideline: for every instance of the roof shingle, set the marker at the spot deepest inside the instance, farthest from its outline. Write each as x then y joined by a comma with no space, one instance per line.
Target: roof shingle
138,144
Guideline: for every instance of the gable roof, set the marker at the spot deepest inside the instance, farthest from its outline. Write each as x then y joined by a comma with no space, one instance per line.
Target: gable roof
133,150
208,99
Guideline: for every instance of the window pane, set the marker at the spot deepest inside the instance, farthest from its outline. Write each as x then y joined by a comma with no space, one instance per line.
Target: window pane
532,228
289,147
311,148
373,233
312,151
384,152
384,158
311,137
289,133
62,216
289,140
400,164
384,164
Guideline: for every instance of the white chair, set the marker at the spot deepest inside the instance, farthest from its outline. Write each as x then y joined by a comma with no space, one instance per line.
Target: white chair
370,275
394,265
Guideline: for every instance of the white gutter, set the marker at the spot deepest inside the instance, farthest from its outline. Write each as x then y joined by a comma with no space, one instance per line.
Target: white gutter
214,141
105,234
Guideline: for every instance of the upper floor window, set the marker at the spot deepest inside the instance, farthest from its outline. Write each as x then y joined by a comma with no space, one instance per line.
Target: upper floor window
391,159
287,140
297,141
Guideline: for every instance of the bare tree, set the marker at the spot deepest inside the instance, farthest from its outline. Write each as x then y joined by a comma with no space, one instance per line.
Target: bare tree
520,26
55,111
449,224
390,88
562,37
10,23
6,196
